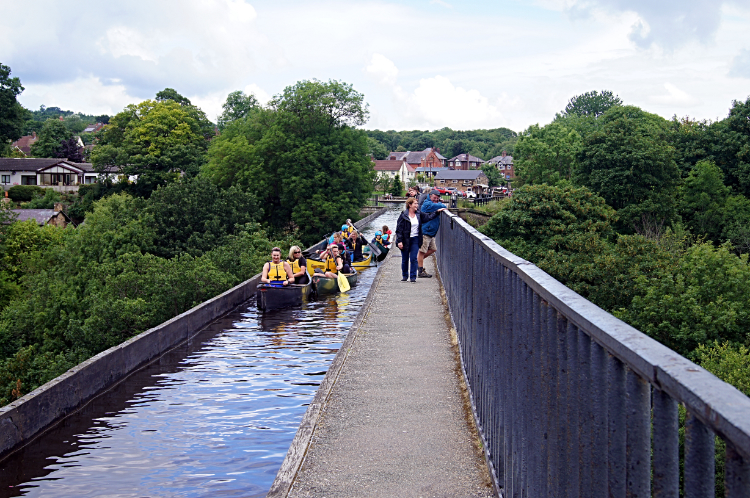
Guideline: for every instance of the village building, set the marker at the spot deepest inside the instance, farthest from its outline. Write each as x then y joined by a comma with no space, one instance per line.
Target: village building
473,180
41,217
60,174
24,144
465,162
504,163
430,157
394,168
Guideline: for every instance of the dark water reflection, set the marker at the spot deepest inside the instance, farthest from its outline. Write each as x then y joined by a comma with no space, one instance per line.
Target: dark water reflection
214,417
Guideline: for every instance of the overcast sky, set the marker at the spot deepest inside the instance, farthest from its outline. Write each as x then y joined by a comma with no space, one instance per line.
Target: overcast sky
421,64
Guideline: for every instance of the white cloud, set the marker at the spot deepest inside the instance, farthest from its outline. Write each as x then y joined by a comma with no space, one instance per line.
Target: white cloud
438,102
740,67
85,94
674,97
382,69
260,94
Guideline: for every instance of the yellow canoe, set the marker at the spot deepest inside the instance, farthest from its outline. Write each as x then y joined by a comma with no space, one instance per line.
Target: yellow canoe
315,263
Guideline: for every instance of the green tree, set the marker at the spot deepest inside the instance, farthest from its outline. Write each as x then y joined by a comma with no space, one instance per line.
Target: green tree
701,299
397,187
703,197
377,149
193,217
12,114
157,141
301,157
728,362
592,104
237,106
736,223
548,154
171,94
492,174
628,160
53,134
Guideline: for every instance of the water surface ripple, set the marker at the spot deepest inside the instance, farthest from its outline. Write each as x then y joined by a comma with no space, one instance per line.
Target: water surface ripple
213,417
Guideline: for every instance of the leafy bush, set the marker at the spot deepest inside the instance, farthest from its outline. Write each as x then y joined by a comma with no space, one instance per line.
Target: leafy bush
46,202
24,193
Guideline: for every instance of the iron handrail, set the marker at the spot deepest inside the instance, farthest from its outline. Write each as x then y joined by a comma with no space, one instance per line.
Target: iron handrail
588,385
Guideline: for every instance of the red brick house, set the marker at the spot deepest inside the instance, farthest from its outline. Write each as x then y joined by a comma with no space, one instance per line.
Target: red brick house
420,159
465,162
24,143
504,164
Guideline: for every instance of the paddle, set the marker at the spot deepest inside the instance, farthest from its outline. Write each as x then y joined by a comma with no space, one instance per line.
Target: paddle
343,282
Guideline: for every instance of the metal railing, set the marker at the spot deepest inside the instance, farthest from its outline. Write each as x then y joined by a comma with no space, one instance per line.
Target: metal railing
571,401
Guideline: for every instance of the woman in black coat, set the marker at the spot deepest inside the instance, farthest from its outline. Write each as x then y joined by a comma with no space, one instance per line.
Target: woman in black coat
409,237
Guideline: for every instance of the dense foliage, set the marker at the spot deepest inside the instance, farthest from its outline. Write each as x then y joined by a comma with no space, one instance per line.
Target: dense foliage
301,157
12,114
155,140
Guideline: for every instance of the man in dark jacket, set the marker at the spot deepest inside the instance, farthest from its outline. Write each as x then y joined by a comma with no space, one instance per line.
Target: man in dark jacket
429,230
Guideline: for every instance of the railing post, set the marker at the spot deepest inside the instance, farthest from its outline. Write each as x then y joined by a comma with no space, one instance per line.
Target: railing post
638,436
699,459
666,446
616,396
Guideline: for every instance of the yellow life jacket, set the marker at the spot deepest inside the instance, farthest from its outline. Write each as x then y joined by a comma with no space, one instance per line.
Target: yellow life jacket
276,271
331,265
295,265
379,239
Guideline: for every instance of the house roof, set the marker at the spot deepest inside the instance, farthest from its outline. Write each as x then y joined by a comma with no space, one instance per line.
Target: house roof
36,164
466,157
24,143
388,165
434,169
93,127
450,174
40,216
410,168
414,157
501,160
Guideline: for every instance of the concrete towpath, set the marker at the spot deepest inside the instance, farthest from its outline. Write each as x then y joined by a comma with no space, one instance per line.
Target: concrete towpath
396,421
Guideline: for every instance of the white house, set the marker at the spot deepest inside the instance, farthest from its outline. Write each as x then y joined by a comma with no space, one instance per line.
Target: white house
60,174
391,169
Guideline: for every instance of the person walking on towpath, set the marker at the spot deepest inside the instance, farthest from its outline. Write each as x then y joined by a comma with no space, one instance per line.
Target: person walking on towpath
409,237
430,229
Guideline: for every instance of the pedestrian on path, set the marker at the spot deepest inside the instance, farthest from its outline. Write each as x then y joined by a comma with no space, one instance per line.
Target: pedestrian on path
409,236
428,247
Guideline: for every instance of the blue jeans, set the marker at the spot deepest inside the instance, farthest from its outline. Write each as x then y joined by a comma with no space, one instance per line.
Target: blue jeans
407,255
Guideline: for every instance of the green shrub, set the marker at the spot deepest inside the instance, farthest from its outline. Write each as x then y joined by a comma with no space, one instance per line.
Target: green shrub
24,193
45,202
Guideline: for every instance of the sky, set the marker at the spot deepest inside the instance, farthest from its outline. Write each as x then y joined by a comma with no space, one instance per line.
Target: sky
421,64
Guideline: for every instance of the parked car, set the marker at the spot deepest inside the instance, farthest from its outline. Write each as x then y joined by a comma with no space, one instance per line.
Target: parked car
454,190
441,190
470,194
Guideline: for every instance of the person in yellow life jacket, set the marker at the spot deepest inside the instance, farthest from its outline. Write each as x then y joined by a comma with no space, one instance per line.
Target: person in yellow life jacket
298,263
333,260
277,272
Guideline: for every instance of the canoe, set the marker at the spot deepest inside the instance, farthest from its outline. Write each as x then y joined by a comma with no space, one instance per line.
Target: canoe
327,285
383,251
271,297
316,263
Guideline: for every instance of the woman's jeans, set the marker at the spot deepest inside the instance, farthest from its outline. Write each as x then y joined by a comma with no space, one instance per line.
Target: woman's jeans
407,255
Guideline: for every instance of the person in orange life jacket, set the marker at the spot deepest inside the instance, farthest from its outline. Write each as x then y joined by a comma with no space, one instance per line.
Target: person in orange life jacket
277,272
298,263
387,235
409,236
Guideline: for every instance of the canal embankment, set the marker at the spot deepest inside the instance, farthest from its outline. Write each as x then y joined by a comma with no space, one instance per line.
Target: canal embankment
392,417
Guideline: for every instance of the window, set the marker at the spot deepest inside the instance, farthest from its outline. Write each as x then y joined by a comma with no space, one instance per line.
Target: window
28,180
90,179
458,163
6,178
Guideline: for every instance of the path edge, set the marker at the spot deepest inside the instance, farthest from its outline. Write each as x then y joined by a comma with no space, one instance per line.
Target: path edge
295,457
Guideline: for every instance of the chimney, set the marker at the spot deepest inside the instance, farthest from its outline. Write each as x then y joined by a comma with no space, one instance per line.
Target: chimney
58,207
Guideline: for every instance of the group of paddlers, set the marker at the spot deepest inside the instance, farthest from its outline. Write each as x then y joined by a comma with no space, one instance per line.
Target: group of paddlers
344,248
291,271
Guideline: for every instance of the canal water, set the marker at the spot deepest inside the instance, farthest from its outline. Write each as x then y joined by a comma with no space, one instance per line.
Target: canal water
213,417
